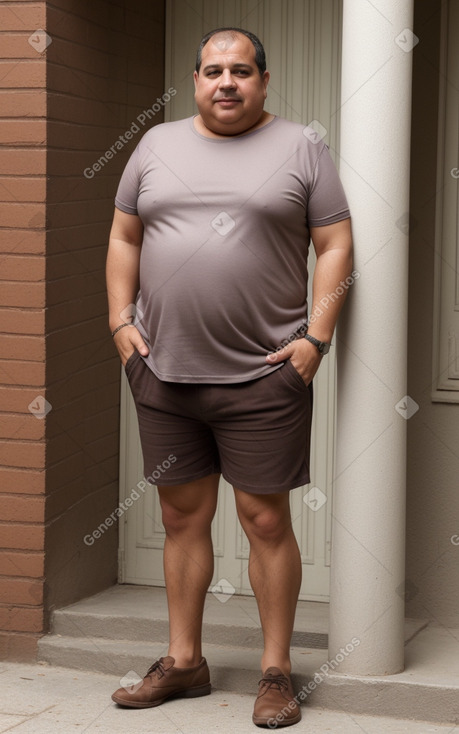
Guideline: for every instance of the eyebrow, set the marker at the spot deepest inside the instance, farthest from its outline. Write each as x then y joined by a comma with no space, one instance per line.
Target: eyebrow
233,66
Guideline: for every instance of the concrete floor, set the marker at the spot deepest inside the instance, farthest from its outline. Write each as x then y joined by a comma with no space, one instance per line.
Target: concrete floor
42,699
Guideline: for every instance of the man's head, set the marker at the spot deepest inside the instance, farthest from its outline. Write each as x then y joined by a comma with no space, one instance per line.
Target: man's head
230,33
230,80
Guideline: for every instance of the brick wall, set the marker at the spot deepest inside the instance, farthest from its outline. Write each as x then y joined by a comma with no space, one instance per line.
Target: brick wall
22,325
76,90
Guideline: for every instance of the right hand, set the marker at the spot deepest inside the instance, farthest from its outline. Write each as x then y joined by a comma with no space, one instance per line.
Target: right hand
127,340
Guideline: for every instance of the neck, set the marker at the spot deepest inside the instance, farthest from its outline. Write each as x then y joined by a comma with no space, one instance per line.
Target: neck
202,128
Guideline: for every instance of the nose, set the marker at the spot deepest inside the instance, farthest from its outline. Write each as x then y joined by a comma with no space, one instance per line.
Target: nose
226,80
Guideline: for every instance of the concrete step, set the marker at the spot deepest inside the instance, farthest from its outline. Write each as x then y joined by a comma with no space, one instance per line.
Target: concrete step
414,694
140,613
232,669
122,630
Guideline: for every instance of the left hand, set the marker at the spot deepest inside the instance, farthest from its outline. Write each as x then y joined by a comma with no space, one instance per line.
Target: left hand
303,355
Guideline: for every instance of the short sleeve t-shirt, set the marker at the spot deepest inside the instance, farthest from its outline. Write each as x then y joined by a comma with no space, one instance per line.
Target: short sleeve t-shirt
223,266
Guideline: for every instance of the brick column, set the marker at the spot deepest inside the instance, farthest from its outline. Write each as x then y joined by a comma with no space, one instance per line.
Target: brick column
22,326
73,83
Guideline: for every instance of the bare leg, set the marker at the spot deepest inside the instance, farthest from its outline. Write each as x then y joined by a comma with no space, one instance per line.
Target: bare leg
187,512
274,570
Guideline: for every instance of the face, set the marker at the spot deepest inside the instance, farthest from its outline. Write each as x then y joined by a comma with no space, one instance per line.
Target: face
229,90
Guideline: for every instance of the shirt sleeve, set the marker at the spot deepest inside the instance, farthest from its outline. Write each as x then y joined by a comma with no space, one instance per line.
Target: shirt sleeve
128,188
327,201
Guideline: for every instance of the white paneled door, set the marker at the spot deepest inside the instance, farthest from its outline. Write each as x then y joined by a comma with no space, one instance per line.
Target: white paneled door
302,42
446,302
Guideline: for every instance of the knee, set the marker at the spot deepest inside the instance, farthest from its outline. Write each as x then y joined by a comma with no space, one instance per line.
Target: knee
268,525
174,519
177,520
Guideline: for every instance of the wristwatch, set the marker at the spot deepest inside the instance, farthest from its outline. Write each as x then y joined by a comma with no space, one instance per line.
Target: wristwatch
323,347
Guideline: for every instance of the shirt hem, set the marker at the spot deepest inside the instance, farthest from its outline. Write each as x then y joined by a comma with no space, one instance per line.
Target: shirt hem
214,379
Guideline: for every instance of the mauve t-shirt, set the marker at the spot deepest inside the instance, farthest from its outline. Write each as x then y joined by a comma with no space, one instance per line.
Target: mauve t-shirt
223,267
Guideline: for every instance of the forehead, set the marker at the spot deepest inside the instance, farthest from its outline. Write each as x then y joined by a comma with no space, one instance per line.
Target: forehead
228,48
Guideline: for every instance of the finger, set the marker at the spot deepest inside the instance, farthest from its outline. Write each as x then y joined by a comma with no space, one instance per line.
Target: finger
280,355
139,344
128,339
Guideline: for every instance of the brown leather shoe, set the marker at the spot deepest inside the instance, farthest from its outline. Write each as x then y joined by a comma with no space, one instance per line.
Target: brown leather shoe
275,705
163,681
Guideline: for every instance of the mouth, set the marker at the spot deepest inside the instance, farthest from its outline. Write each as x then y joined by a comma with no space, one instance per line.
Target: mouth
227,101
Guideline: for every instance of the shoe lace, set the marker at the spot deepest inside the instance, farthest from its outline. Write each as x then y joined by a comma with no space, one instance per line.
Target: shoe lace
157,668
274,681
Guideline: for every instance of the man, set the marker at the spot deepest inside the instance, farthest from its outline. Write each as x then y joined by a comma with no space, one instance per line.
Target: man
210,238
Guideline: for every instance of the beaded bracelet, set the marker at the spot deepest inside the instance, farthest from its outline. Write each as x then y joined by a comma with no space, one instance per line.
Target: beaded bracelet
121,326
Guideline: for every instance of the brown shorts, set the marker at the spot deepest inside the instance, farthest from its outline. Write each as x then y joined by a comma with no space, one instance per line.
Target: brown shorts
256,433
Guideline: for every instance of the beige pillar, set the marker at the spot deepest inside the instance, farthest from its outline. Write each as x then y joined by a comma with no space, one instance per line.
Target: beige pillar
367,581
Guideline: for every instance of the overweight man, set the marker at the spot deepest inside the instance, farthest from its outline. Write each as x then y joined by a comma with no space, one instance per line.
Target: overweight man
213,219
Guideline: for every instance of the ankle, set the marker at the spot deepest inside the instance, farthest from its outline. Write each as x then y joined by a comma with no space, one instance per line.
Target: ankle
275,662
184,659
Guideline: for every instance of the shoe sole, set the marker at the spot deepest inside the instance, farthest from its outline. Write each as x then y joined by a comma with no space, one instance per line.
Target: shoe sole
264,721
185,693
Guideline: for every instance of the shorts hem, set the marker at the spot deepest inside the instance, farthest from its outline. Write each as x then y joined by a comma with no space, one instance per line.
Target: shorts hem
266,489
187,479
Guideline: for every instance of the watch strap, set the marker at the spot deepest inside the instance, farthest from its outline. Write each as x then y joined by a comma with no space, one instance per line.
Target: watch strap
322,347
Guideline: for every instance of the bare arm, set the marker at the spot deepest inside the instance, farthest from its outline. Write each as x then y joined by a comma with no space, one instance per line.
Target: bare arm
333,246
122,272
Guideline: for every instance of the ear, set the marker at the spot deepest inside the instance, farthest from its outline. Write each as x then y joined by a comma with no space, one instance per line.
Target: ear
195,78
266,77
